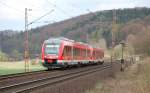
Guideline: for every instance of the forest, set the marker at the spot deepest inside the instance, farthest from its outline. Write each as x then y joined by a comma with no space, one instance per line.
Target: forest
130,24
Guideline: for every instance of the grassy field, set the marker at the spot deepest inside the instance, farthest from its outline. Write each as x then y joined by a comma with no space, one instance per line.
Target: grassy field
17,67
136,79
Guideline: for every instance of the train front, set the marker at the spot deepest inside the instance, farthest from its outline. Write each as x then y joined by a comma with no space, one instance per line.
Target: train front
51,53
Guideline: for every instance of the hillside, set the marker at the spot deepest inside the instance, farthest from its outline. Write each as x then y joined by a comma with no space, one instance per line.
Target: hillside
97,25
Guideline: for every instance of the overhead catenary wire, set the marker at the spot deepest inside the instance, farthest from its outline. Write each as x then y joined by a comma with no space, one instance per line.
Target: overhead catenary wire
41,17
60,9
51,21
78,7
18,11
8,6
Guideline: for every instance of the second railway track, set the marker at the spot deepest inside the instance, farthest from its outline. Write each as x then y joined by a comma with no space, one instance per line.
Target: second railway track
31,85
4,77
18,78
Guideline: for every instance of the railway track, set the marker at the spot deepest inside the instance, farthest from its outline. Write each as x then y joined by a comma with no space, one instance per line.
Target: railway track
18,78
31,85
3,77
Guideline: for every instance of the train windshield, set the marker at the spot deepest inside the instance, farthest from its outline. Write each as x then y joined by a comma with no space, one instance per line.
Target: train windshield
52,49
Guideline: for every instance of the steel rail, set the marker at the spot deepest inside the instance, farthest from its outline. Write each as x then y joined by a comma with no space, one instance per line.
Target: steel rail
3,77
62,79
38,83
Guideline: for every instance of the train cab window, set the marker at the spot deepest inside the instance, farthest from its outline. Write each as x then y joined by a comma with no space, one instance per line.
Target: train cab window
51,49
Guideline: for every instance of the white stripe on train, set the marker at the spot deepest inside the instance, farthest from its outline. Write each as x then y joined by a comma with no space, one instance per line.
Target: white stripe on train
78,61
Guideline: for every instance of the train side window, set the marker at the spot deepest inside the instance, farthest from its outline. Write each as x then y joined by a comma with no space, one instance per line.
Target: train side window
84,53
78,52
69,50
64,52
75,52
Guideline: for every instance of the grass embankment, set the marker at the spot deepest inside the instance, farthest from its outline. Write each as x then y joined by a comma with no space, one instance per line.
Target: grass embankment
17,67
136,79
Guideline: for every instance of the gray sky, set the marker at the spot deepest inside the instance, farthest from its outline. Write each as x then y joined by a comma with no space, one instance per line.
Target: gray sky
12,11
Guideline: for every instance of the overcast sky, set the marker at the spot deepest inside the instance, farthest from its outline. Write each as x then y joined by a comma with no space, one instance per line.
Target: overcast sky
12,11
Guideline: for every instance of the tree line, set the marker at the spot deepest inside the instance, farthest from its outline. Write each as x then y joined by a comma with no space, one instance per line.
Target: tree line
128,23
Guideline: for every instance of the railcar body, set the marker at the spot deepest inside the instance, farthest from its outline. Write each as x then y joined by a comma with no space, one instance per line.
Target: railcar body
62,52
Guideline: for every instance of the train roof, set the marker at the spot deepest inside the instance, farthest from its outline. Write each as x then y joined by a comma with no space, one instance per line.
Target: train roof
60,39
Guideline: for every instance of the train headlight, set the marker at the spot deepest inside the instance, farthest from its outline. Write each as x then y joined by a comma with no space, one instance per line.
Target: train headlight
42,61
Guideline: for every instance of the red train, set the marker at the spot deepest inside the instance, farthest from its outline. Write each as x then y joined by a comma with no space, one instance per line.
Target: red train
63,52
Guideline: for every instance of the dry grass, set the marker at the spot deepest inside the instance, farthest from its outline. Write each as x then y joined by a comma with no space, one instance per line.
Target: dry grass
17,67
134,80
